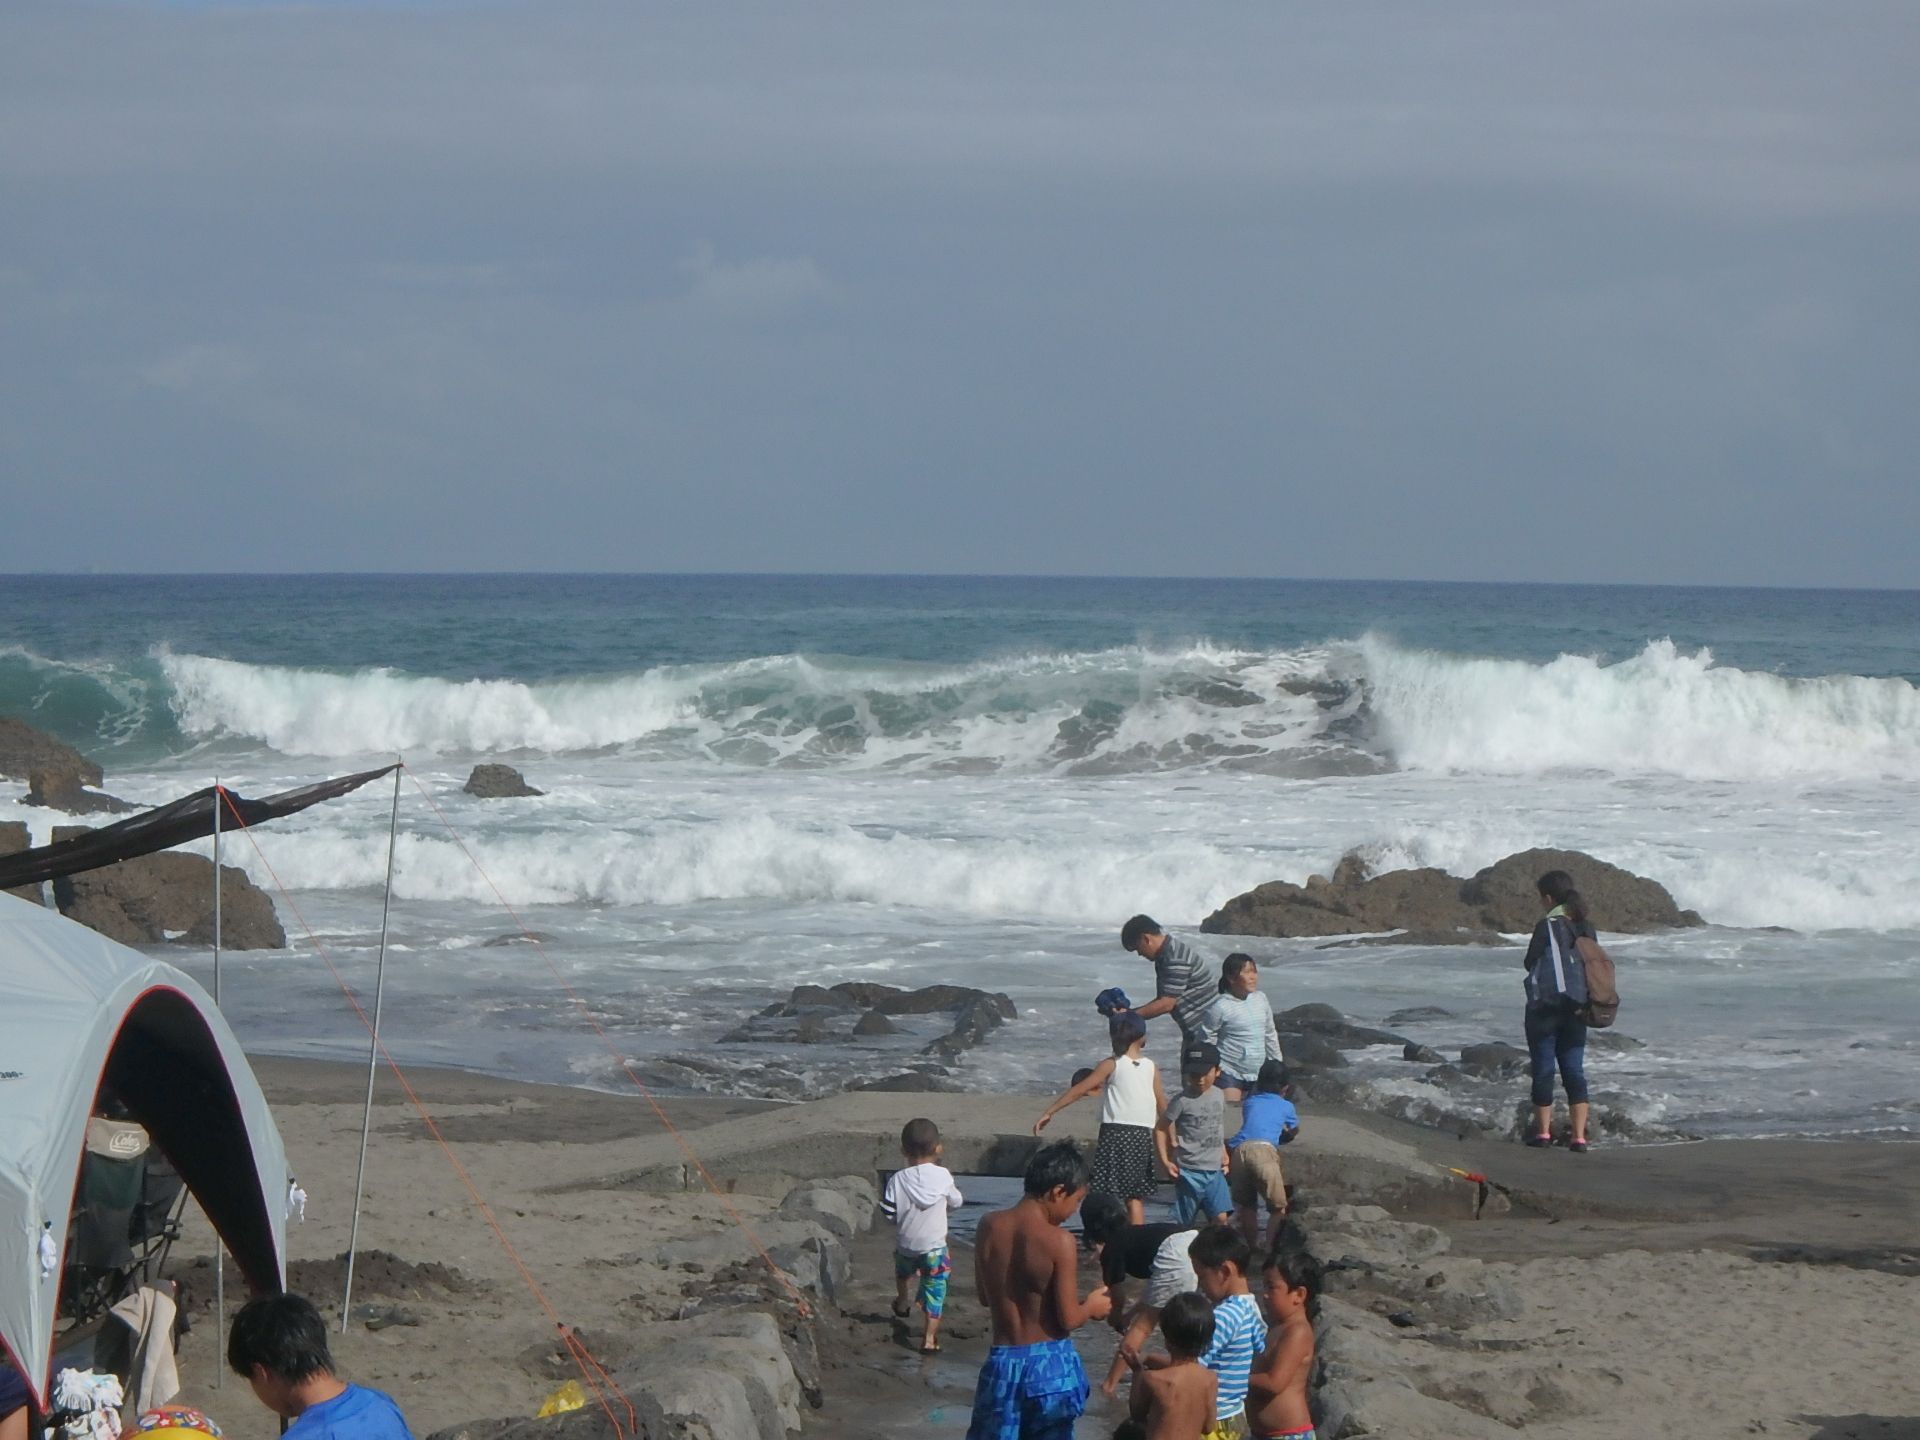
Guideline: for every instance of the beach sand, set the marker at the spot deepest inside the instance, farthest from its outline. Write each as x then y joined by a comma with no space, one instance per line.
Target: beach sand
1716,1289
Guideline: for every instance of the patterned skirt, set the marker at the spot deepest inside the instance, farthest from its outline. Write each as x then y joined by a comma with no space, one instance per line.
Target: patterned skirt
1123,1160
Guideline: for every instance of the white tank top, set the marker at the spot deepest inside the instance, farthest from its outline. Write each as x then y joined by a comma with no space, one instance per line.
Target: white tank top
1129,1094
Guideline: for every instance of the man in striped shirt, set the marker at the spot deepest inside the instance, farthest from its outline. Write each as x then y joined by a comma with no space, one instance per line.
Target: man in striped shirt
1220,1255
1187,982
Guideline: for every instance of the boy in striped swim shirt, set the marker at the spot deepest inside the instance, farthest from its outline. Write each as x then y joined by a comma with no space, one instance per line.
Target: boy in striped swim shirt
1220,1255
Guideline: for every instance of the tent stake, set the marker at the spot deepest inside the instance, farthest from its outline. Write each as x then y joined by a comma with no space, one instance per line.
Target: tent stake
219,1249
373,1054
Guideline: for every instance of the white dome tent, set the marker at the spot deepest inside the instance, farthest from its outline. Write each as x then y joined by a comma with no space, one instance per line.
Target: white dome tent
77,1009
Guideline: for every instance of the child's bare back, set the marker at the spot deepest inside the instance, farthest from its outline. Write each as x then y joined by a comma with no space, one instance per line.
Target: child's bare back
1277,1387
1021,1259
1175,1402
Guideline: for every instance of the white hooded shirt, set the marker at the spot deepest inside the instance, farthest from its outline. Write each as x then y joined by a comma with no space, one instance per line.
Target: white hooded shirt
917,1200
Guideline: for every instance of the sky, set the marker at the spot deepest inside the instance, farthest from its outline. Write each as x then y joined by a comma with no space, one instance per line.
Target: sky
1617,292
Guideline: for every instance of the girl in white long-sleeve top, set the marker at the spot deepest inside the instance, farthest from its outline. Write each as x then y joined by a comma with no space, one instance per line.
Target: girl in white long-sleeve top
1243,1029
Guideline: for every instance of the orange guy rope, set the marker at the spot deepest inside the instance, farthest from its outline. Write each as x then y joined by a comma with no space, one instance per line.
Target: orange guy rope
626,1065
574,1346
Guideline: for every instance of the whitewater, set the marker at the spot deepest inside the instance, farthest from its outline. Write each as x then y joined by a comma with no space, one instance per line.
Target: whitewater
975,782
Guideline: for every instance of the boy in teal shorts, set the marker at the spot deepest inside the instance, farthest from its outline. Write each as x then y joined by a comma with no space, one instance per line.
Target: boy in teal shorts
917,1200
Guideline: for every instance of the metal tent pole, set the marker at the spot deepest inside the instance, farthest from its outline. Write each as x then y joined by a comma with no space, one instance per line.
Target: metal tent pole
373,1054
219,1249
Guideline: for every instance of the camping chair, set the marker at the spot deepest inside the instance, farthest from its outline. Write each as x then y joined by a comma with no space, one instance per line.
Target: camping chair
126,1217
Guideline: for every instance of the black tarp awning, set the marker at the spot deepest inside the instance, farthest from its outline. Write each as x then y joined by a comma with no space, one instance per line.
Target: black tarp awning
189,818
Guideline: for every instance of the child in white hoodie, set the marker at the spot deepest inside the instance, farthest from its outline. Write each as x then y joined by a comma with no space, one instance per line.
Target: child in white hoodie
917,1200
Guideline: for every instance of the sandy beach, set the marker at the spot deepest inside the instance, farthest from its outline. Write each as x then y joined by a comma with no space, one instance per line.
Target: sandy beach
1723,1288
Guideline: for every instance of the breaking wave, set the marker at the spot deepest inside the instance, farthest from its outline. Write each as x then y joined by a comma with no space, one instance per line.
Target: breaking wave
1340,708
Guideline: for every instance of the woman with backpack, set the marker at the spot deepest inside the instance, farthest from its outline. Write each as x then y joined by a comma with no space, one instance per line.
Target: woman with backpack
1557,997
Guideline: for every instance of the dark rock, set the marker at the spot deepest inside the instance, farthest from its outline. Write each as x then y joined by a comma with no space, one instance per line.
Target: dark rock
15,837
816,997
1437,908
498,782
928,999
1330,1025
1494,1060
170,896
1612,1042
61,787
1417,1013
910,1082
1305,1051
874,1023
24,749
1421,1054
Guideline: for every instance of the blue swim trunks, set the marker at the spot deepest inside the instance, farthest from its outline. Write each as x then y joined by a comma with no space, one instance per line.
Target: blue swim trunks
933,1267
1029,1392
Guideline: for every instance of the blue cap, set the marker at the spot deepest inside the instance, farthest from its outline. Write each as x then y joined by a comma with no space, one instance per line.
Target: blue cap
1112,1001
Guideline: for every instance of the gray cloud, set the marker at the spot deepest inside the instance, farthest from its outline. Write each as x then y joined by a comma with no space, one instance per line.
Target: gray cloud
1360,290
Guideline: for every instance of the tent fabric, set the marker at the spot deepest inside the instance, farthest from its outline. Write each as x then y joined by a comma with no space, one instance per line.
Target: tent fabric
76,1009
191,817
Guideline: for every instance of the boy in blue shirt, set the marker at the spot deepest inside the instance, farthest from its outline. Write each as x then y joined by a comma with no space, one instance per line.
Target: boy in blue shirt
1267,1121
278,1345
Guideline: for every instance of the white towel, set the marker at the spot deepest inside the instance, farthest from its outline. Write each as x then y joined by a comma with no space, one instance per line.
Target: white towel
154,1379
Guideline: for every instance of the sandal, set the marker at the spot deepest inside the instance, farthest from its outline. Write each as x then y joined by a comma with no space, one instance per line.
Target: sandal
933,1349
1539,1141
902,1309
1578,1147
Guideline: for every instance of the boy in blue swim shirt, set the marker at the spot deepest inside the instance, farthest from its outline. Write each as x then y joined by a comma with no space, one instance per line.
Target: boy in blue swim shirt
1267,1121
1033,1386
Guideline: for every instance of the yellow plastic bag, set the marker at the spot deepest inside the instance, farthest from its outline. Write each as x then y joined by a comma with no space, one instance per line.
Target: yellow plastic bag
568,1397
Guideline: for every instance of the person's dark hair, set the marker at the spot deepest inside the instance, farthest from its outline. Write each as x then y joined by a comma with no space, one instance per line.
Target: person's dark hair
1102,1217
284,1333
1296,1268
1274,1077
1124,1030
1218,1245
1137,929
1059,1166
1198,1058
1187,1323
1082,1073
1557,886
919,1138
1230,969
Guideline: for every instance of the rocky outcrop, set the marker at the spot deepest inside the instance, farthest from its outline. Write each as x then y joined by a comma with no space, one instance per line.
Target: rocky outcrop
62,787
15,837
813,1015
498,782
1442,909
24,749
169,896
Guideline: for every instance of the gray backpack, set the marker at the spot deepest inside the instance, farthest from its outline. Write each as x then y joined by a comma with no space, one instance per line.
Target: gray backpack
1560,974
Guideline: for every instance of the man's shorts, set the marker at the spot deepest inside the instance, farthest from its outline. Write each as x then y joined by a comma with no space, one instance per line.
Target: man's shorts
1029,1392
1256,1176
933,1267
1200,1195
1172,1271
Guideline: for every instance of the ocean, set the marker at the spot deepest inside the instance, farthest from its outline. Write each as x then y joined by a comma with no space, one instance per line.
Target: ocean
760,781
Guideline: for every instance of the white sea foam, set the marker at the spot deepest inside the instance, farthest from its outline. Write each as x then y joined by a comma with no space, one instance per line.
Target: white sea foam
1662,712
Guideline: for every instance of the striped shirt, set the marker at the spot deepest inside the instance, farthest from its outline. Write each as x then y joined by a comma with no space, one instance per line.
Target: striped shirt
1192,979
1239,1334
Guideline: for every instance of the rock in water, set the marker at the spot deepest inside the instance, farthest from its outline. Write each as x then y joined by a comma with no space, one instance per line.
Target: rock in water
1443,909
169,896
498,782
61,787
14,837
24,749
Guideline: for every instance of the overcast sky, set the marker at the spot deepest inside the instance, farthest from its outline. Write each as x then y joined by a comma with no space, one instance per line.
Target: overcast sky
1609,292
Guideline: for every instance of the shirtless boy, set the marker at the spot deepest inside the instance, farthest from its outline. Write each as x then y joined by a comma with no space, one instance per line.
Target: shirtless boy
1033,1386
1277,1388
1175,1400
